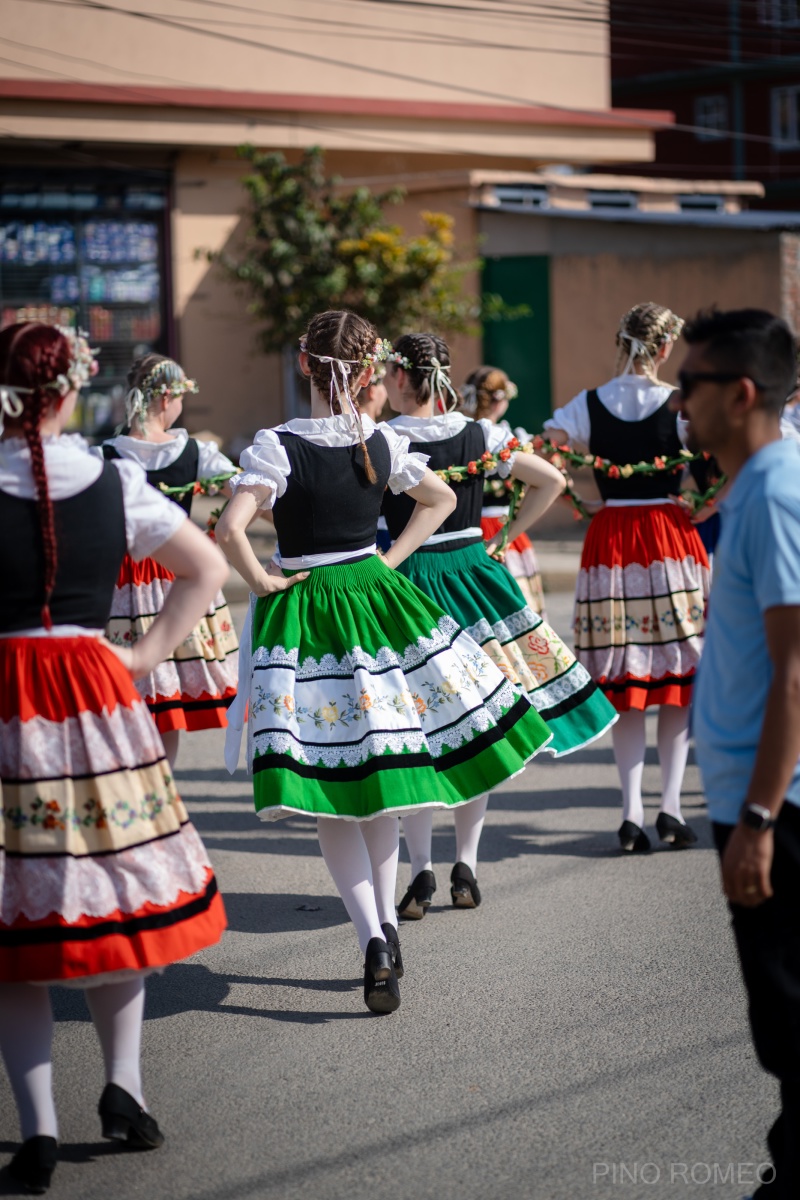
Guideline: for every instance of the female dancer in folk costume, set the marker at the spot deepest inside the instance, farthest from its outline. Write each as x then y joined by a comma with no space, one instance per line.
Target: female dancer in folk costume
486,395
454,569
192,688
643,581
102,877
365,699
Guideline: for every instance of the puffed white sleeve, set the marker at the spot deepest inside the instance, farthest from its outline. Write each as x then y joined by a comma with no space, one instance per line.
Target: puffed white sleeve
497,438
150,518
407,469
211,460
573,418
265,469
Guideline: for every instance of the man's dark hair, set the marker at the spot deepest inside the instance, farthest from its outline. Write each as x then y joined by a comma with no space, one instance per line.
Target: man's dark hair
752,343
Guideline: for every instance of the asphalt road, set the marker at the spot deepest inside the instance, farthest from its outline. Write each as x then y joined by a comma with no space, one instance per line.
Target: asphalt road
582,1034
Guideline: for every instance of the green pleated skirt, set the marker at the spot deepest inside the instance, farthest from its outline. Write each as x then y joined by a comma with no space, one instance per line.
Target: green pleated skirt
365,698
483,597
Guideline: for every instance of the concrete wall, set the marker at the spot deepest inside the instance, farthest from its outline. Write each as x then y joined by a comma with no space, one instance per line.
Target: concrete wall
599,269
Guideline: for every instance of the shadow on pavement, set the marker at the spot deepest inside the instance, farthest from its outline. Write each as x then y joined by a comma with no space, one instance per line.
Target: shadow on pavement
192,987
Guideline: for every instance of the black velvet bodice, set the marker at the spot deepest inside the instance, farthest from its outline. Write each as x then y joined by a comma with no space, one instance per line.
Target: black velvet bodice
329,505
90,543
466,446
633,442
180,472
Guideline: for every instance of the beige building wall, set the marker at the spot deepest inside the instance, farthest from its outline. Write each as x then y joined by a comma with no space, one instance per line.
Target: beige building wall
348,48
600,268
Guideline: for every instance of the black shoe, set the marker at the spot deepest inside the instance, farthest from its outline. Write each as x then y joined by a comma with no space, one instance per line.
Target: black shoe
381,992
674,832
393,942
124,1121
632,839
464,890
417,899
34,1163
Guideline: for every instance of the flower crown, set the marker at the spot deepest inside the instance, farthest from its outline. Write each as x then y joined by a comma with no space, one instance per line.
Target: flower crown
138,399
177,388
379,353
83,365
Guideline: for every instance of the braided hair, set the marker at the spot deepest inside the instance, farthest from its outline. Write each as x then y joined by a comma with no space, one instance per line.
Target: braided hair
418,352
32,356
480,388
643,330
147,373
348,339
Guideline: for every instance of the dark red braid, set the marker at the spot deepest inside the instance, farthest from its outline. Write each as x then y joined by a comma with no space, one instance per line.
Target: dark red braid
31,356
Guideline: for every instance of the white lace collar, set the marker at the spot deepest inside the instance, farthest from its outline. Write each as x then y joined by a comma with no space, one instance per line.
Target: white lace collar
327,431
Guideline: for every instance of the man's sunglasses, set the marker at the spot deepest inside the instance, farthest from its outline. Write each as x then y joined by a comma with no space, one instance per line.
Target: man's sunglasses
687,380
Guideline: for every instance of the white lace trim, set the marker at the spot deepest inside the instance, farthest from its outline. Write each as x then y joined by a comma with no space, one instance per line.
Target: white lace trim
329,666
635,581
514,626
555,691
190,679
94,887
643,662
89,744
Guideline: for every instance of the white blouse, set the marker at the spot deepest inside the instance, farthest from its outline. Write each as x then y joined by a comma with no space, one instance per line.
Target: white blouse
150,518
438,429
266,468
154,456
627,397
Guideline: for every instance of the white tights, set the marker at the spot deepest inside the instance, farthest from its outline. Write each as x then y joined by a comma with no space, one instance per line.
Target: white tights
418,832
362,859
26,1037
673,749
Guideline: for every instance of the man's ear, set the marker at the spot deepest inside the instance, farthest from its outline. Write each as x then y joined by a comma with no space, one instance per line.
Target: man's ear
747,399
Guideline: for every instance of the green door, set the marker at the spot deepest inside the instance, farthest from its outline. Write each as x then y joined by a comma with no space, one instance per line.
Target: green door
522,347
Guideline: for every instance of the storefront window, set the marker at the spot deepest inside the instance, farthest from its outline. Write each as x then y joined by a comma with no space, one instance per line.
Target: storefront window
93,256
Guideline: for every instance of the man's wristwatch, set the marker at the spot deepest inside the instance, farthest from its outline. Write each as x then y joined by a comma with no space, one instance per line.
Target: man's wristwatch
755,816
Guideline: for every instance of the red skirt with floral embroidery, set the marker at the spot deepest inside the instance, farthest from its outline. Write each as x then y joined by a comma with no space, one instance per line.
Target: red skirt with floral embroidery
640,604
101,870
193,687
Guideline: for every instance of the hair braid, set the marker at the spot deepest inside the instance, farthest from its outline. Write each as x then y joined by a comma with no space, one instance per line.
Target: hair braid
349,338
420,349
642,331
484,382
31,357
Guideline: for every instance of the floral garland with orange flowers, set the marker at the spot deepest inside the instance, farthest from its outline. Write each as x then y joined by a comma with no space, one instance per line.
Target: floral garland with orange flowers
211,486
660,465
487,464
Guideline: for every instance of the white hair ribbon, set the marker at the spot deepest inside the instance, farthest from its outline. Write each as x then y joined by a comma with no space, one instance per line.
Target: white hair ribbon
637,350
440,385
135,404
10,403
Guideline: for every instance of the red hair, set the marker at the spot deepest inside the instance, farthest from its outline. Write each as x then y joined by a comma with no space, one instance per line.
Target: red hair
31,357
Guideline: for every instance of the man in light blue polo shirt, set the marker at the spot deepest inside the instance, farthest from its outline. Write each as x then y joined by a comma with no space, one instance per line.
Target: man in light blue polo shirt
739,371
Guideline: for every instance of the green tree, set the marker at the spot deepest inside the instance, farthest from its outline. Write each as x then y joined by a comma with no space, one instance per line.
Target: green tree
312,245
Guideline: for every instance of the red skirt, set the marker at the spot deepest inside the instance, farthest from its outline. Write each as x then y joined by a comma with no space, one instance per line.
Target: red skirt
100,868
640,604
521,561
193,687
